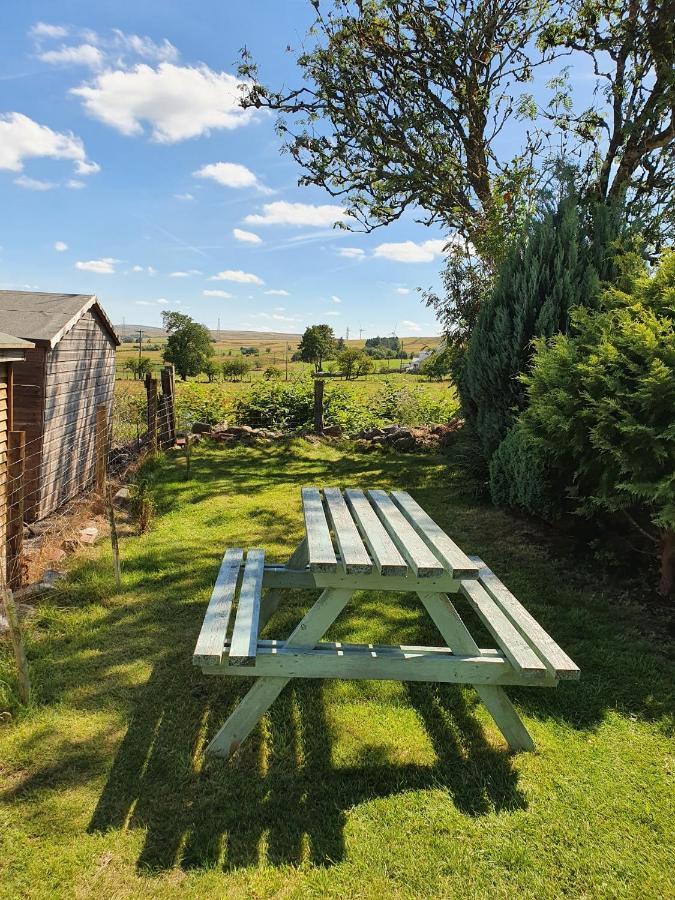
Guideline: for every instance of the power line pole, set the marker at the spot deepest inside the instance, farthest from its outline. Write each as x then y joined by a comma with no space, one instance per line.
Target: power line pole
347,338
286,360
140,344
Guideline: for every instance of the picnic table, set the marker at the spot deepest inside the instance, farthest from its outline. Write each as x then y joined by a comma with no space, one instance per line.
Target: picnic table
371,541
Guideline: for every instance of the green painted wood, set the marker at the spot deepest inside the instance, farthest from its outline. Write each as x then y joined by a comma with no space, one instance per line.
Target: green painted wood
455,560
353,554
554,658
510,640
418,555
281,577
244,642
265,690
212,636
388,561
454,631
270,602
319,543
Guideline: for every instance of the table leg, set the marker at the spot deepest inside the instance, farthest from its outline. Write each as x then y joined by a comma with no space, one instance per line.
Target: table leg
270,600
265,690
457,636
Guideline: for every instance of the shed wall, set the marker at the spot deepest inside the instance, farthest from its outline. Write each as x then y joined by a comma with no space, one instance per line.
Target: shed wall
29,390
4,402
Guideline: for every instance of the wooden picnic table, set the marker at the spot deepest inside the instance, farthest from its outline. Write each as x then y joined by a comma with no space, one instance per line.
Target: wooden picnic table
371,541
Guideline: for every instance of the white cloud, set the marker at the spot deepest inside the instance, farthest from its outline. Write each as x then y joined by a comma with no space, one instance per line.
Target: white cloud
411,326
277,292
283,213
276,317
179,275
410,252
351,252
184,196
248,237
332,313
232,175
217,293
34,184
75,184
147,269
21,138
80,55
137,268
45,30
145,47
402,290
177,102
60,246
238,276
336,299
162,300
105,266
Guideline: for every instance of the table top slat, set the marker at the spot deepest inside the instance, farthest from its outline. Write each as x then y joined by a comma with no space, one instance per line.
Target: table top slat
553,656
320,546
355,558
455,560
212,636
421,559
510,640
244,642
388,560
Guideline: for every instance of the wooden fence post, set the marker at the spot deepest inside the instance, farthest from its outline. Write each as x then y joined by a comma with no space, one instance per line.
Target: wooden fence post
168,392
188,456
17,644
151,391
16,464
101,445
114,542
318,405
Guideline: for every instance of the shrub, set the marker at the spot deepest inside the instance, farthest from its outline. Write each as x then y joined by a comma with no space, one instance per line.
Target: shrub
235,369
200,403
271,373
411,406
520,476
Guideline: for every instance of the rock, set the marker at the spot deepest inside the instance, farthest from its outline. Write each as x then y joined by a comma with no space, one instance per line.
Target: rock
89,535
201,428
55,554
404,443
333,431
219,427
122,497
70,545
50,577
39,528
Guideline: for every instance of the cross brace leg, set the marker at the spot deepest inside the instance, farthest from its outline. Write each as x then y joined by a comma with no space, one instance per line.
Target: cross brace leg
457,635
270,601
266,690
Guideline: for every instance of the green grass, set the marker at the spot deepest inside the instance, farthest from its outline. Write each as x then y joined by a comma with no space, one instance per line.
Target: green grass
364,789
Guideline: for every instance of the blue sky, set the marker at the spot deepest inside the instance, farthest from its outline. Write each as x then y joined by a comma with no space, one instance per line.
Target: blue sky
127,170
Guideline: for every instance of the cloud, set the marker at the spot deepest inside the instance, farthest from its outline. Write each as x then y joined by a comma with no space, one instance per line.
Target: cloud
277,292
410,252
332,313
21,138
238,276
105,266
232,175
177,102
184,196
149,270
145,47
162,301
75,184
402,290
351,252
411,326
217,293
179,275
283,213
336,299
276,317
45,30
248,237
60,246
34,184
80,55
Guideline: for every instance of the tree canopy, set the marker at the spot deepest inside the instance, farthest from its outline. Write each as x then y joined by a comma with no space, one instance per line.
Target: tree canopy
317,344
189,344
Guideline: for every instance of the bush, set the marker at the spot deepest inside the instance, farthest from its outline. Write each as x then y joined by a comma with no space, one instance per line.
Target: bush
411,406
200,403
235,369
520,476
271,373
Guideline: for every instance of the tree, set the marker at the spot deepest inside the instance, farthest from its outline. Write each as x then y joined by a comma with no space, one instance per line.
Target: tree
438,365
353,362
235,369
317,344
271,373
139,368
601,403
211,369
188,345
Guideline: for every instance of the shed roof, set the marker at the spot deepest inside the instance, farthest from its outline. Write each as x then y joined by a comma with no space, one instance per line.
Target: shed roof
9,342
45,318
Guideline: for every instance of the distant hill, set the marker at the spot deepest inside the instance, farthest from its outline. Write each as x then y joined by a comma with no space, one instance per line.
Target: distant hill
154,331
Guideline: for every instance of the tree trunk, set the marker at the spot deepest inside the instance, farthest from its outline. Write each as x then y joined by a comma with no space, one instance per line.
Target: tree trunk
667,583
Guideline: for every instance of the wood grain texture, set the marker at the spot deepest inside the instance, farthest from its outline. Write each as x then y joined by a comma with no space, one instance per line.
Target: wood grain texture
354,556
319,544
418,555
211,640
388,560
245,634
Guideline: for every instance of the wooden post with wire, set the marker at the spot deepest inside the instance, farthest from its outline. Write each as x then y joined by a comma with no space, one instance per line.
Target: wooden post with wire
151,391
101,445
318,405
17,645
168,392
16,464
114,542
188,456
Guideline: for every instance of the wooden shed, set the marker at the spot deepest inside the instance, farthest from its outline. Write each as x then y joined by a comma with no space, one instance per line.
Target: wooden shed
68,374
12,350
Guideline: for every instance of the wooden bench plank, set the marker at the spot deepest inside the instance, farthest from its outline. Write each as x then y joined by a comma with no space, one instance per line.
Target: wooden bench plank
453,558
244,642
321,552
388,560
418,555
209,648
555,659
355,559
510,641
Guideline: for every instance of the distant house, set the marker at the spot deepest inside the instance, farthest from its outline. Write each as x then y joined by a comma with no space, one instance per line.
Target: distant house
416,361
69,372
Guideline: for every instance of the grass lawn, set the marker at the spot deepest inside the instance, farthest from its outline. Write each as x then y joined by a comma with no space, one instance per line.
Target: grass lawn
354,789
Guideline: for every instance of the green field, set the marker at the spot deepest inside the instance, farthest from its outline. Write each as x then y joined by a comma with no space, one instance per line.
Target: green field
352,789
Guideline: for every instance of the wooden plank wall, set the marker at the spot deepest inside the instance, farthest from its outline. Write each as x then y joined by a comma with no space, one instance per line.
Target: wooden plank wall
4,380
29,390
79,375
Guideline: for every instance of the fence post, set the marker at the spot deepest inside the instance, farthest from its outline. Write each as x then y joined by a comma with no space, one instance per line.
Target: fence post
318,405
151,391
17,644
16,465
101,444
114,542
170,407
188,456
